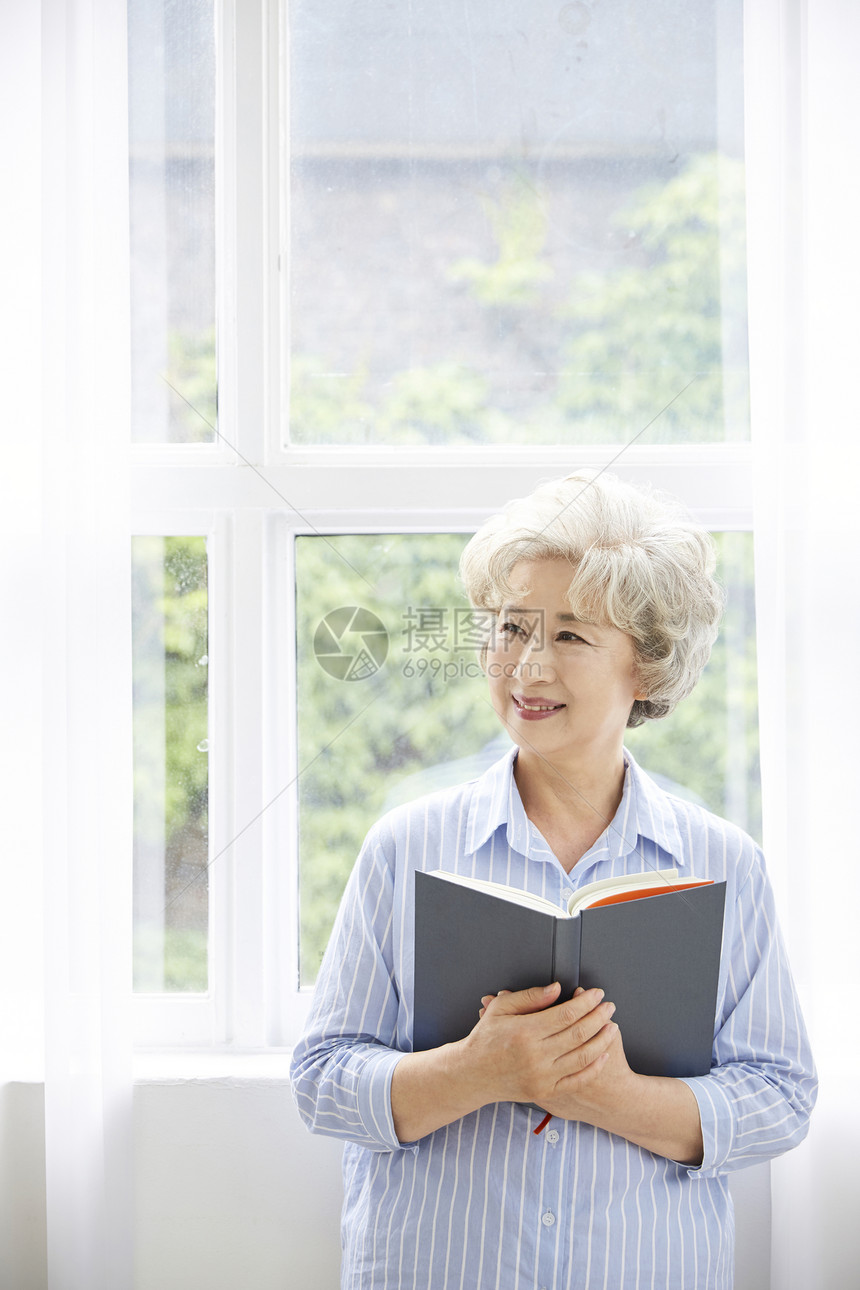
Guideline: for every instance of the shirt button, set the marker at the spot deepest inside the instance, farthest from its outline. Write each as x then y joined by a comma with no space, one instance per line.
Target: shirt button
548,1218
567,893
552,1136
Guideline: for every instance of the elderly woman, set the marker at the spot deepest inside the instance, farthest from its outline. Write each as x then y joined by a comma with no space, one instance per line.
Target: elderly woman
604,611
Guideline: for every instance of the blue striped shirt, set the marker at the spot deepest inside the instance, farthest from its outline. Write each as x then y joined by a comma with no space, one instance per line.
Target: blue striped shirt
484,1202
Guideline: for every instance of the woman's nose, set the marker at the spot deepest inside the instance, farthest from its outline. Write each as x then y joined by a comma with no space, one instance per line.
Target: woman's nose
534,662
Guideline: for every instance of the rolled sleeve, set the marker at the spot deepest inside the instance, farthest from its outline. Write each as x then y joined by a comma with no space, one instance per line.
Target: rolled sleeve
717,1118
374,1099
347,1093
343,1066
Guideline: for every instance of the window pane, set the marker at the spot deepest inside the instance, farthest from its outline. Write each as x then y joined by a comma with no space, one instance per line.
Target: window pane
171,891
172,201
392,703
517,223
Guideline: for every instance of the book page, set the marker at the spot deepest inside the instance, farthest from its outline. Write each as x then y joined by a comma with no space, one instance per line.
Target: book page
514,894
621,882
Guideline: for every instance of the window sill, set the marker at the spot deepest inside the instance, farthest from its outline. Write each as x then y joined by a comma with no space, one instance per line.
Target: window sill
213,1066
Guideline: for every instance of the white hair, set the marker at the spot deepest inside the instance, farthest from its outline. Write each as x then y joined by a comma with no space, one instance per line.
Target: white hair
638,563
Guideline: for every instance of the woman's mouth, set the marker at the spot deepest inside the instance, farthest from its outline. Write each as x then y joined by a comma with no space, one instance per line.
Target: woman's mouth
535,709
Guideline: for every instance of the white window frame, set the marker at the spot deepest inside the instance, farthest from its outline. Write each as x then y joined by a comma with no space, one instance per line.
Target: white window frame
250,496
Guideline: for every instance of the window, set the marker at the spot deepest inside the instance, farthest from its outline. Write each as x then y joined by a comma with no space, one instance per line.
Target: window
171,754
516,224
172,201
509,245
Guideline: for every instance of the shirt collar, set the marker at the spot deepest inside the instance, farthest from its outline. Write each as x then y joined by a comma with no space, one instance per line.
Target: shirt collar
645,811
491,804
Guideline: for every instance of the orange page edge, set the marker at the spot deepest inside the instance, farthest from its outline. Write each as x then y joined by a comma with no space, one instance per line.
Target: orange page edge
616,898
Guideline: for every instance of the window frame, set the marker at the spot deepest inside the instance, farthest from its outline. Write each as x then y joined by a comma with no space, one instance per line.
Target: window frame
250,496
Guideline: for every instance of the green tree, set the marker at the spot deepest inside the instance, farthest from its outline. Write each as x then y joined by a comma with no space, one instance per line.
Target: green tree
327,410
191,377
170,605
673,321
358,740
660,340
519,225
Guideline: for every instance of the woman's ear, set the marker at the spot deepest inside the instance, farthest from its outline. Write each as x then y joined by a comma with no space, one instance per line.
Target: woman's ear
641,691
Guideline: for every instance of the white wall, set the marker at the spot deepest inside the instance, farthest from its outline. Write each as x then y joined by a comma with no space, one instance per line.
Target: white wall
232,1193
231,1190
23,1236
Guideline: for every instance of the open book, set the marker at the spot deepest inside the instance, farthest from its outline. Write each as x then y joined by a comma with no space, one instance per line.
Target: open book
651,941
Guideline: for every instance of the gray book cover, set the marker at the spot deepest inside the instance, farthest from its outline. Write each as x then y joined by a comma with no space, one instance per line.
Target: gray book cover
657,959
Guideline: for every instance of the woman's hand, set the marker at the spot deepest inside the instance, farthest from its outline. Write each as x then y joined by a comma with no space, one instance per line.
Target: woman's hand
591,1081
567,1058
530,1048
521,1050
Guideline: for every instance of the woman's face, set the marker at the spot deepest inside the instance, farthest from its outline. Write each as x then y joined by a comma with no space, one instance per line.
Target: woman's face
559,686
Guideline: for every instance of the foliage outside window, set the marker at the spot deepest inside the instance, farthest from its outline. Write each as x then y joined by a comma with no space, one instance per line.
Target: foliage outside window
614,347
171,763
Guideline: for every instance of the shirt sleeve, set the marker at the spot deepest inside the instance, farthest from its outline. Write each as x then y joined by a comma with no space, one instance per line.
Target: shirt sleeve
343,1065
756,1102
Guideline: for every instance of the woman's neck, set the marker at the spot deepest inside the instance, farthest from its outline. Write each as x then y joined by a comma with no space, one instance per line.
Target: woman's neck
571,805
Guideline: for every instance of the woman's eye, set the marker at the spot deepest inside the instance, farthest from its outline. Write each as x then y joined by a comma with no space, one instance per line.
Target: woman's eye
568,636
512,629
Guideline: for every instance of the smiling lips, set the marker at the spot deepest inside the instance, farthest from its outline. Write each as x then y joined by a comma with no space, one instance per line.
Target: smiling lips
534,709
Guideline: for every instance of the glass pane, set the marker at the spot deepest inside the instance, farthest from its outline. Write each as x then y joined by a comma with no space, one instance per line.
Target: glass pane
171,773
392,702
172,208
517,223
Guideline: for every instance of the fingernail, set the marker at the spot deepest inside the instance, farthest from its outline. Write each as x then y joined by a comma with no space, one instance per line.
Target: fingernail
485,999
611,1007
550,989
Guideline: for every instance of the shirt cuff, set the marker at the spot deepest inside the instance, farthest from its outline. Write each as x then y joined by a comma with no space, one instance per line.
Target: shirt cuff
374,1099
715,1113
